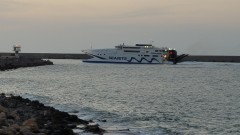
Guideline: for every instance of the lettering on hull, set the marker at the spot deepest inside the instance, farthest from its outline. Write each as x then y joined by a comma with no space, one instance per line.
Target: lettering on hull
117,58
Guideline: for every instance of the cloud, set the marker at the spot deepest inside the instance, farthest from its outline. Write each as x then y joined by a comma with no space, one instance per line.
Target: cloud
124,11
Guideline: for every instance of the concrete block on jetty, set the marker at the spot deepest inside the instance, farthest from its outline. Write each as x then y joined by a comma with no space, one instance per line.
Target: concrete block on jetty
19,116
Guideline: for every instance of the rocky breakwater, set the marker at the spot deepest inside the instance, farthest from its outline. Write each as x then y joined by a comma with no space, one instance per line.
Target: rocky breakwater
19,116
7,63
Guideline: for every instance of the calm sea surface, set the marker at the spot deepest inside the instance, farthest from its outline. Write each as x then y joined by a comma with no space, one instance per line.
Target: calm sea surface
188,98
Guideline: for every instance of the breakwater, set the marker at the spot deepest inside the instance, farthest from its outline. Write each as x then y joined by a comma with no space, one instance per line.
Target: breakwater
199,58
50,55
11,62
209,58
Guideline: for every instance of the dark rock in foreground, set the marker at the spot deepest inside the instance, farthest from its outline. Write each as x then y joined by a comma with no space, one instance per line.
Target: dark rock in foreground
19,116
7,63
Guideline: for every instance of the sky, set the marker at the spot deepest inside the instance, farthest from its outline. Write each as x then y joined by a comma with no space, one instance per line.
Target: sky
196,27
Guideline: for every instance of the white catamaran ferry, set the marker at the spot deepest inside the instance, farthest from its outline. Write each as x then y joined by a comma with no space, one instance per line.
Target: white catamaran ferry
138,54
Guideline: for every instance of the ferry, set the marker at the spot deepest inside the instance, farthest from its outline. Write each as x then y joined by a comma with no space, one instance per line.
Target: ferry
128,54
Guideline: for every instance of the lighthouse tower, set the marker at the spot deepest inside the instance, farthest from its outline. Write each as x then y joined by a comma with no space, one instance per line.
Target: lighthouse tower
17,49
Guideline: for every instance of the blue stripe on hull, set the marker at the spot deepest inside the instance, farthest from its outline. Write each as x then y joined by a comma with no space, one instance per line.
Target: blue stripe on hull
118,62
139,61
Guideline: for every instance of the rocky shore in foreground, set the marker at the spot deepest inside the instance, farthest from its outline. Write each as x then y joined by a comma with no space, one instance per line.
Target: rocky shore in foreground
7,63
19,116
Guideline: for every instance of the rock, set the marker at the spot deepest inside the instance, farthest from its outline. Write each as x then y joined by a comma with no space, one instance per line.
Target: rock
26,131
3,121
3,115
15,115
10,121
19,116
2,109
94,129
9,116
31,125
4,132
72,126
16,127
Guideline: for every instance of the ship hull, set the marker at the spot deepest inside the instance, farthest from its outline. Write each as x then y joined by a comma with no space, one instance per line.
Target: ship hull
125,54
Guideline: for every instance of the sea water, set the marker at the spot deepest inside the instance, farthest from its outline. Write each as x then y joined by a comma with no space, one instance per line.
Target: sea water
187,98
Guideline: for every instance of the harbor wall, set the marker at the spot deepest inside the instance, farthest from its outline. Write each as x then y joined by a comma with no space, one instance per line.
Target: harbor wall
209,58
198,58
49,55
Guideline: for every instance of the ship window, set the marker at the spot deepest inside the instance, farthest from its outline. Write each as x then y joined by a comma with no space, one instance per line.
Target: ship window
143,44
155,55
132,51
156,50
147,51
146,55
131,47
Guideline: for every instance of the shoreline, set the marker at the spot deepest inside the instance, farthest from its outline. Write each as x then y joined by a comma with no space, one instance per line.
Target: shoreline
19,116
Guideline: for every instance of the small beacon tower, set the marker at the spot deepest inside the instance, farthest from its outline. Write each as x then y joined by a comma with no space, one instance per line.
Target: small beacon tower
17,49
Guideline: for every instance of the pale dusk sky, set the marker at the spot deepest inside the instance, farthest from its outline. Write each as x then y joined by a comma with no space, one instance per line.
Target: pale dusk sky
201,27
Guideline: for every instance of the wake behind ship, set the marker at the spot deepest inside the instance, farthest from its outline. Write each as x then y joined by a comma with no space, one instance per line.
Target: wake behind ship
127,54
